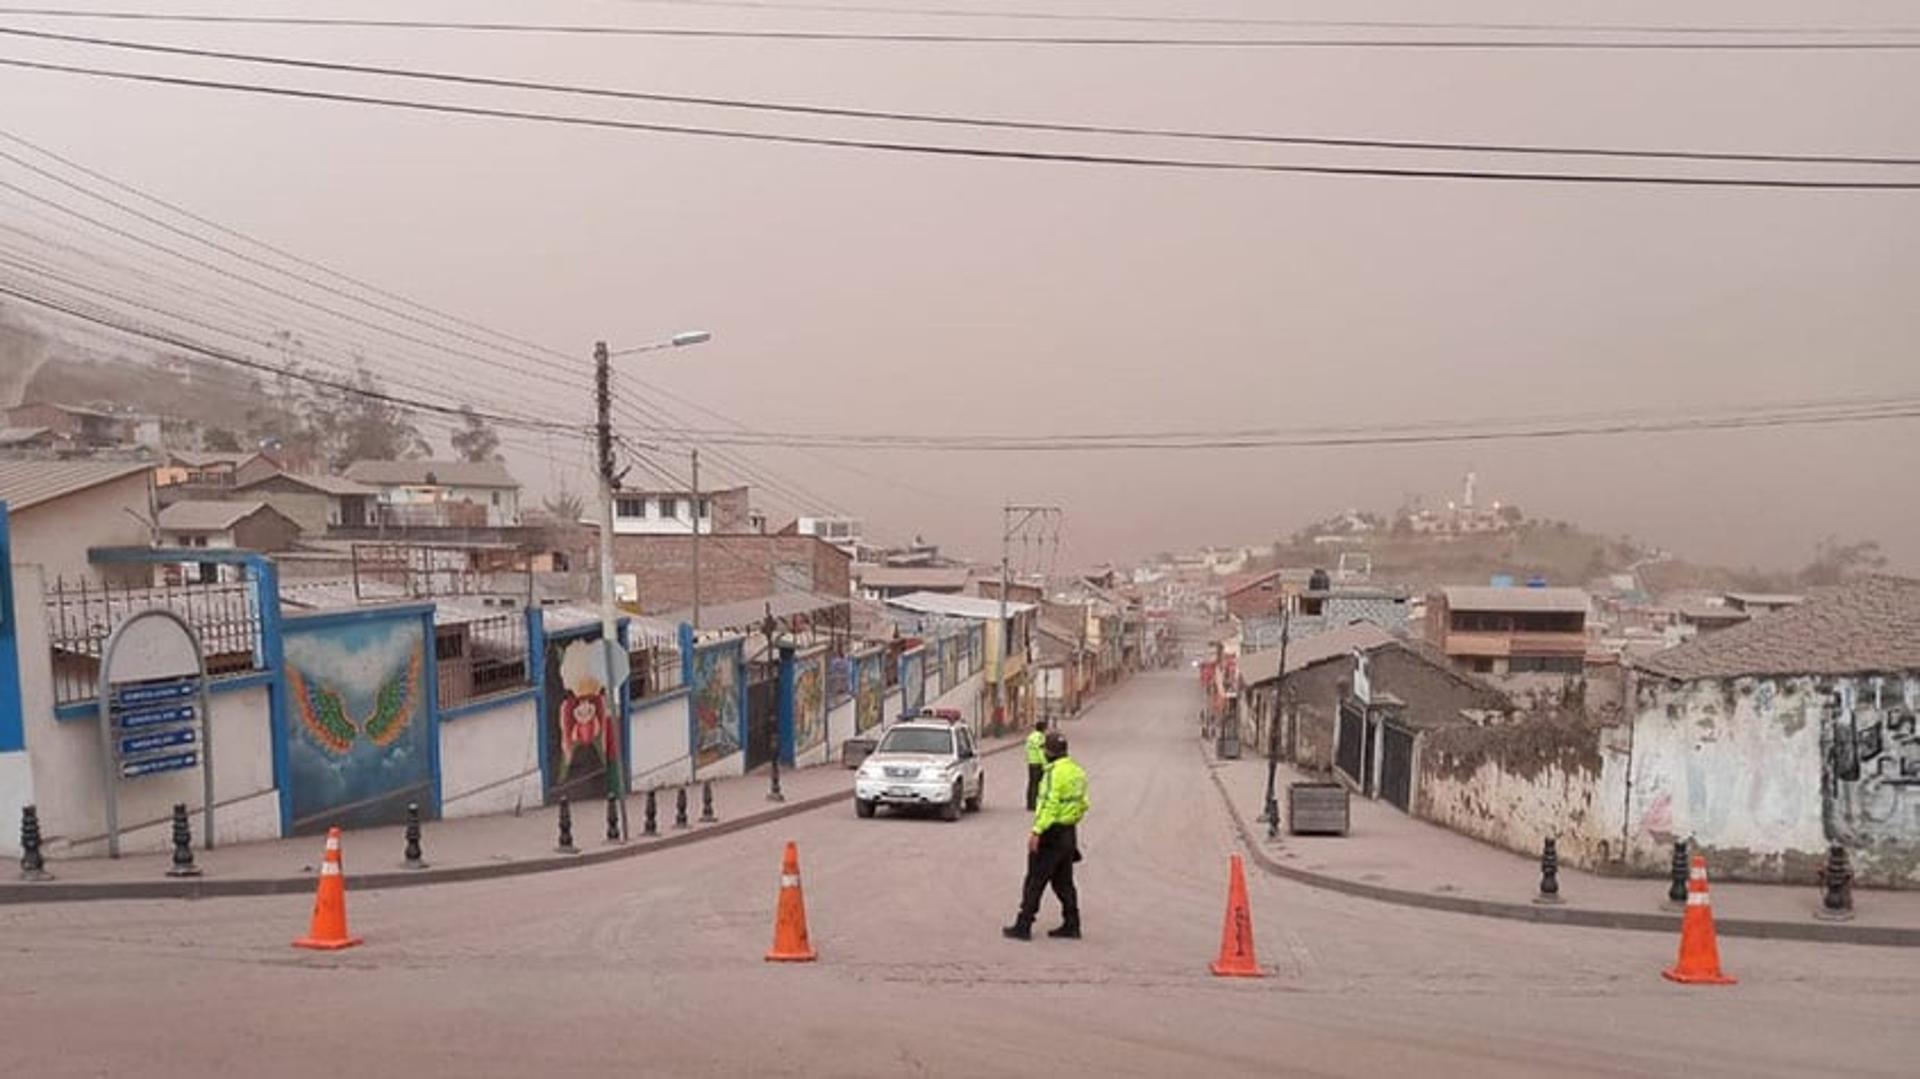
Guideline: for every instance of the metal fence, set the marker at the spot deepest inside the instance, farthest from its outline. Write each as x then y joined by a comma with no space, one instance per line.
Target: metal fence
482,658
82,614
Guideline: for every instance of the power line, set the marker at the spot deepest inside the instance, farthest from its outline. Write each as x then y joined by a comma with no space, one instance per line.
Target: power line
950,151
990,123
1689,44
1246,20
98,317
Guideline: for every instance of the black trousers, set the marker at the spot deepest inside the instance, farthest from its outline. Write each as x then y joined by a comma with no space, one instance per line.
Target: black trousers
1052,865
1034,772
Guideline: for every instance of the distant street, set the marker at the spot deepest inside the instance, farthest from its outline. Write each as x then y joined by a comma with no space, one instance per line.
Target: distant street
653,965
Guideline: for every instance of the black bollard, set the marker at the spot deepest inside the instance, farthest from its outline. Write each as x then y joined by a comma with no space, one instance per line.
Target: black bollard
182,845
680,808
413,838
566,828
1549,873
707,816
774,793
613,817
1271,814
652,824
33,865
1836,878
1677,890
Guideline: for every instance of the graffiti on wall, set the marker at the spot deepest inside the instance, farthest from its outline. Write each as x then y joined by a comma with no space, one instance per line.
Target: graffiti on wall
913,681
358,748
716,702
870,691
809,704
579,726
1872,774
949,663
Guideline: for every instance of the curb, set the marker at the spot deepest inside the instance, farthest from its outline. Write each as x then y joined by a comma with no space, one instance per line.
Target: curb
12,892
1821,932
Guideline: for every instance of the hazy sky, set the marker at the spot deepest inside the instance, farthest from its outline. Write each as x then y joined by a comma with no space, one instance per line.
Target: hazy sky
869,292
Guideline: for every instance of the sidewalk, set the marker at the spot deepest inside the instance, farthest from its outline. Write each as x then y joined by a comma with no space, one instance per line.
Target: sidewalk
468,848
1392,857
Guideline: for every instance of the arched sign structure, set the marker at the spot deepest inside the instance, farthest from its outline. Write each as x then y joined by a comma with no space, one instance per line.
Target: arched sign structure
154,715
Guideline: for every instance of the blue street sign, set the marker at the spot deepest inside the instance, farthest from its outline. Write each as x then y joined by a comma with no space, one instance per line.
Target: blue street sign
172,762
153,693
147,743
154,717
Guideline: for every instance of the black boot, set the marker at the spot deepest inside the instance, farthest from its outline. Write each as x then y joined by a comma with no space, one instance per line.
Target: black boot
1019,930
1069,929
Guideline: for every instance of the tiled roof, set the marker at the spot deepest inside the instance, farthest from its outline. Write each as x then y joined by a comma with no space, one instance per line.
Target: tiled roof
29,483
432,473
1548,600
1871,625
326,485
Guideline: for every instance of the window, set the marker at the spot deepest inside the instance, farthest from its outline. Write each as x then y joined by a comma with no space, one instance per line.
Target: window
669,508
706,508
917,740
496,498
632,508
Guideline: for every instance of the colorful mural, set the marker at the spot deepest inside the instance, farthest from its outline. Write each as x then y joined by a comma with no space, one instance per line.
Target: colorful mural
976,649
870,691
809,703
359,745
913,681
580,723
716,702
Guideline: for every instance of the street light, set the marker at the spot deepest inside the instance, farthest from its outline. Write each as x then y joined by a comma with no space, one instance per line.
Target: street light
617,666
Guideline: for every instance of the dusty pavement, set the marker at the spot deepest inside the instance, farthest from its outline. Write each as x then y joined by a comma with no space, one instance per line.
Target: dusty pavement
653,966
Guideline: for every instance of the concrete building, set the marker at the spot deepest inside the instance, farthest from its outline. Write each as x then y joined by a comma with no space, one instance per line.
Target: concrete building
440,494
227,526
1510,630
680,513
317,504
1753,603
846,533
1266,594
882,583
61,509
1769,741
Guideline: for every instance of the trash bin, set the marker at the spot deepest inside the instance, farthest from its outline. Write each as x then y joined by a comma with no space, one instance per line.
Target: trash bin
1228,746
1317,809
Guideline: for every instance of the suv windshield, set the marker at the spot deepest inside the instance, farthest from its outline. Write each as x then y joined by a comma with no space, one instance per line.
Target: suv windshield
917,740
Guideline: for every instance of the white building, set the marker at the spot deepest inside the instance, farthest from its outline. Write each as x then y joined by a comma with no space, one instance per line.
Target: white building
441,494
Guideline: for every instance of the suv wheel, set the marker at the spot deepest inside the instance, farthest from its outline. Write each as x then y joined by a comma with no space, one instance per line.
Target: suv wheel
862,808
955,801
979,795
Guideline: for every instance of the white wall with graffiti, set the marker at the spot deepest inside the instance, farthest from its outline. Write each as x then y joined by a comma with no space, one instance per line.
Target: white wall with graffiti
1765,773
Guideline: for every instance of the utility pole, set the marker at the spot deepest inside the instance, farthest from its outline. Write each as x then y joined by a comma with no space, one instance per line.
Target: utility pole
1010,527
1273,726
609,612
696,541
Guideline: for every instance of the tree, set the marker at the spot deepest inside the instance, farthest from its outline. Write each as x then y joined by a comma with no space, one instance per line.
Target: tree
221,440
565,505
476,440
1834,562
362,425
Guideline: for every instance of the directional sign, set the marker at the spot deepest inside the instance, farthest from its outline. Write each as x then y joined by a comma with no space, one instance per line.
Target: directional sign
155,717
133,745
172,762
153,693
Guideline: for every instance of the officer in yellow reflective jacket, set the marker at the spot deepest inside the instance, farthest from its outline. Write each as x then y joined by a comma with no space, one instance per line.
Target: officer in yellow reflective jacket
1036,761
1053,845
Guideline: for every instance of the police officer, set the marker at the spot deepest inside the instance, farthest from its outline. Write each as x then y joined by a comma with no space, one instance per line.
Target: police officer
1053,844
1036,761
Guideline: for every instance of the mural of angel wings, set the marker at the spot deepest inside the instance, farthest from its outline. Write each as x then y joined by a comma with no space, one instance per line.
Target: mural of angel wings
324,713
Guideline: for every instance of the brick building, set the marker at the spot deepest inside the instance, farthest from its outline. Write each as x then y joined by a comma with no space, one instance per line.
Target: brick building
657,571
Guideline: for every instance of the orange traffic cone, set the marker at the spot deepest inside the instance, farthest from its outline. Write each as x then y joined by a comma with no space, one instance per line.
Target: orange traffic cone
1236,935
1699,962
790,943
328,932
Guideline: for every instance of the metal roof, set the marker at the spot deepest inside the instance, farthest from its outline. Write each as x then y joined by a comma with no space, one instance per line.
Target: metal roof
1538,600
432,474
975,607
24,484
751,612
1264,666
919,577
191,516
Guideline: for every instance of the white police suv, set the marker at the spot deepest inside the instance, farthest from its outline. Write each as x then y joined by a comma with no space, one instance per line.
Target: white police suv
922,763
